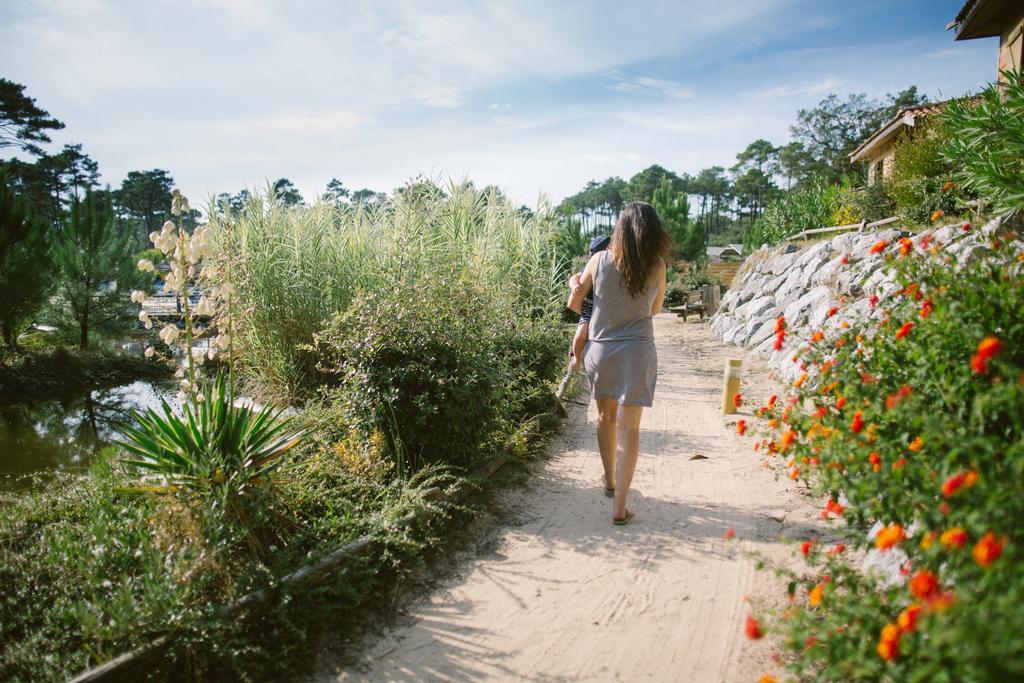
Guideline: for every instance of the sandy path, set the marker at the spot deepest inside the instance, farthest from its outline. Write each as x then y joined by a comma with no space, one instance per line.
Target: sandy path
569,596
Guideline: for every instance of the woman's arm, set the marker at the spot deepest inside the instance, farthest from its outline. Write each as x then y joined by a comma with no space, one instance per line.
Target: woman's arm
580,291
659,298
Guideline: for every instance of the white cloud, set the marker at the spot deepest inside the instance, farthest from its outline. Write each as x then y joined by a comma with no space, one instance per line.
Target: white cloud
656,87
313,122
827,84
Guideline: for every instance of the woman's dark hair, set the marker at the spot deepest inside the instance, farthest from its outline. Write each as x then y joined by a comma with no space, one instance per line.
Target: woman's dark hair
637,242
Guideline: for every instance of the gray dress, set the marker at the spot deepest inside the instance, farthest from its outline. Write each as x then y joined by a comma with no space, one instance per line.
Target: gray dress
620,358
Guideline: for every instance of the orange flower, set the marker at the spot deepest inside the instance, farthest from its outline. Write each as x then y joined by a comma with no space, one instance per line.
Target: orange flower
937,215
988,549
794,473
840,402
767,678
857,423
737,400
923,584
906,246
953,538
947,186
926,308
940,602
904,329
800,380
907,619
928,539
816,594
889,642
753,629
889,536
786,440
898,464
875,460
817,336
878,247
741,427
916,445
987,347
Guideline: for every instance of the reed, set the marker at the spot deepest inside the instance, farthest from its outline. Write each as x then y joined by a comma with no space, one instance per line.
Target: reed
292,268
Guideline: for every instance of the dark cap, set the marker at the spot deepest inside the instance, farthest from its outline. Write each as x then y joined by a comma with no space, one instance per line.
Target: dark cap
599,243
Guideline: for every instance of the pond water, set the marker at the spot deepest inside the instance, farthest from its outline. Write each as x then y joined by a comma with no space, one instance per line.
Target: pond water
64,434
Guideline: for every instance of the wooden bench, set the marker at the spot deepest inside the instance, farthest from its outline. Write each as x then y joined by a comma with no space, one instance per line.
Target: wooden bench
694,304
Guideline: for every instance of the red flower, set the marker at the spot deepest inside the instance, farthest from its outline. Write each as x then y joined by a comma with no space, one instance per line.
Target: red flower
988,549
805,547
857,423
878,247
926,308
895,398
965,226
906,246
840,402
898,465
987,347
904,330
908,618
737,400
753,629
845,259
837,548
873,300
923,584
832,311
772,399
875,460
729,533
958,480
779,339
741,427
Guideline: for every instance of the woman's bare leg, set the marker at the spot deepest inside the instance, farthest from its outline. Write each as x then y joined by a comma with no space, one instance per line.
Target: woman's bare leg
628,438
607,409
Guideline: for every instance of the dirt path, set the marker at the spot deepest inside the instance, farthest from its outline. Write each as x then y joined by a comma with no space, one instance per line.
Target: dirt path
568,596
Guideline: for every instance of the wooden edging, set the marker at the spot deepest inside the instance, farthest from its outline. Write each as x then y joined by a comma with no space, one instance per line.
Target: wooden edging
860,227
132,665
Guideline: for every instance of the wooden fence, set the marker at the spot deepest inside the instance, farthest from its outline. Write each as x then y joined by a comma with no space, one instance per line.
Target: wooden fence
859,227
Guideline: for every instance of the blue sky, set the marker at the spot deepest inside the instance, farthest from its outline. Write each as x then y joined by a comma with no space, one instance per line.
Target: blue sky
529,95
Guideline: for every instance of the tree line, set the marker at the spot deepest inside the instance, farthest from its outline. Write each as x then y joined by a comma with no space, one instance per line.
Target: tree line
68,247
722,204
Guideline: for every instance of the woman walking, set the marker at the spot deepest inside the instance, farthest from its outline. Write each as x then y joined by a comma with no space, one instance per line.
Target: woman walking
628,282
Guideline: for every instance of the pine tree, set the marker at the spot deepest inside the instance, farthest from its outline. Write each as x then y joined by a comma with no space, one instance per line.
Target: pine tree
26,272
97,269
673,208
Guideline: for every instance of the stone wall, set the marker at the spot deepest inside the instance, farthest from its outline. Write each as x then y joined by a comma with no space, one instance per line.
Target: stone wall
804,283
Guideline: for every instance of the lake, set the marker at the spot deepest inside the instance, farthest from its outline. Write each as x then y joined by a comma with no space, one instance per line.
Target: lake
64,434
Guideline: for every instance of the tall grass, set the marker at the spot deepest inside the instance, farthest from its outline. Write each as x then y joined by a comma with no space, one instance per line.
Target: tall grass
293,268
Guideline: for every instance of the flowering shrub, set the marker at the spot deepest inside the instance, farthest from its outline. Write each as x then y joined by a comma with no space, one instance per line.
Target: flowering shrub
914,421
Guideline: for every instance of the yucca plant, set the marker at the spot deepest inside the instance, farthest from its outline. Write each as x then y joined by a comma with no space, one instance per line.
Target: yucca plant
211,443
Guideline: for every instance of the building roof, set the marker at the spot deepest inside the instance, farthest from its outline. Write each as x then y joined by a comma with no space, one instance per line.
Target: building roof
892,127
727,250
981,18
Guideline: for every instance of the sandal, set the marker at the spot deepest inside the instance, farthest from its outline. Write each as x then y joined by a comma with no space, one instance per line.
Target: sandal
624,520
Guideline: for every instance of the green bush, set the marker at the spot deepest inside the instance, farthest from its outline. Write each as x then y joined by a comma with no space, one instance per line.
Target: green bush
916,421
922,181
987,144
431,366
804,209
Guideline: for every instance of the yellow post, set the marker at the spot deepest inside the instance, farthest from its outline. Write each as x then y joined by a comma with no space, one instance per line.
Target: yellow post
731,385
